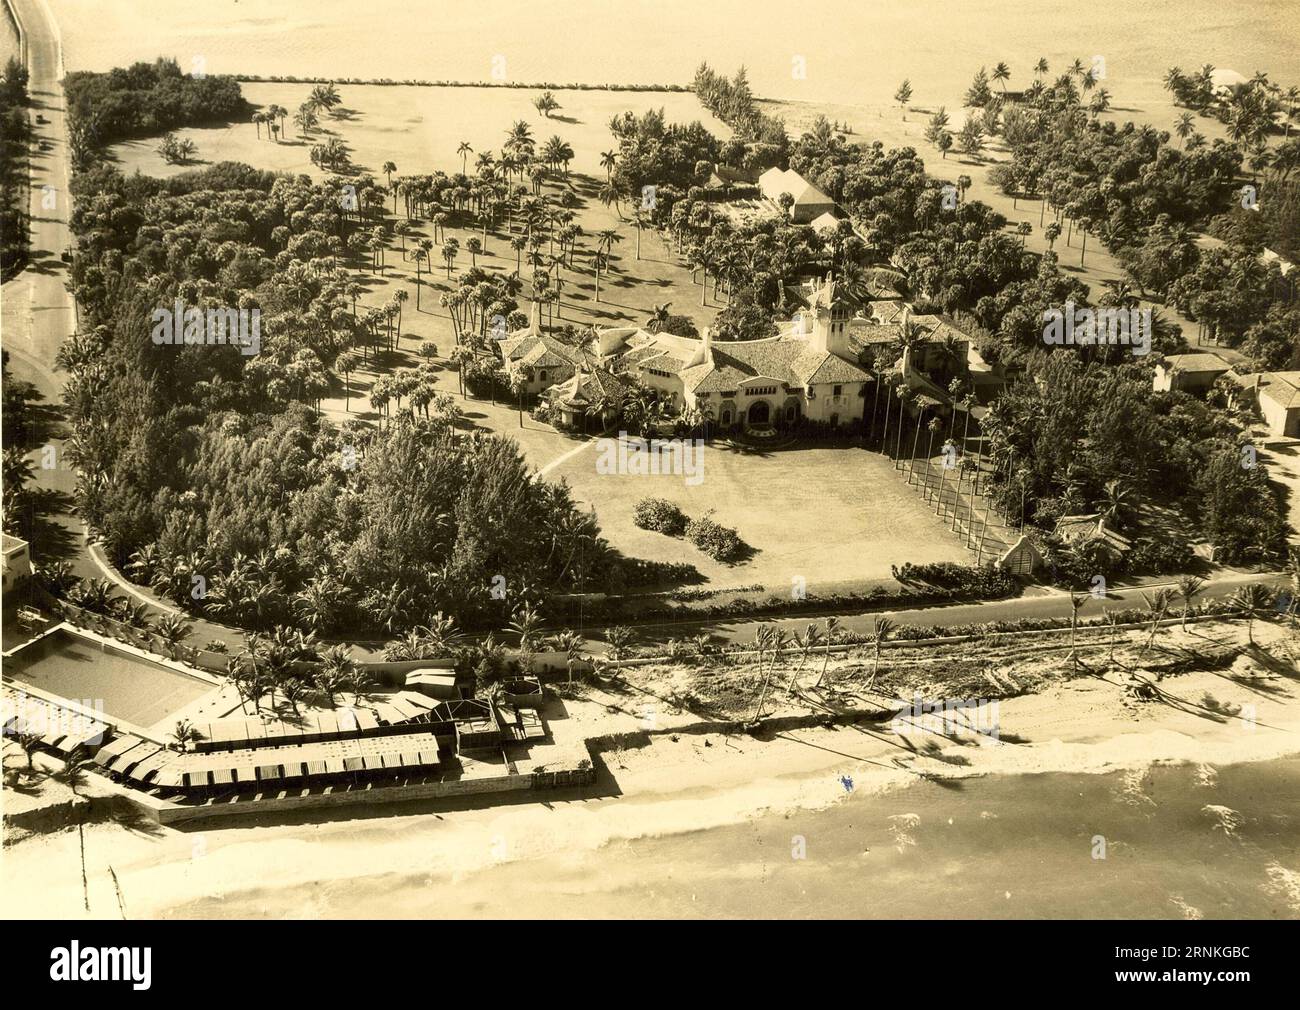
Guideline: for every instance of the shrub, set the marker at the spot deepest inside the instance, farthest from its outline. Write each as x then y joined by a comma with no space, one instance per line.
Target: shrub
660,515
714,539
1160,557
965,579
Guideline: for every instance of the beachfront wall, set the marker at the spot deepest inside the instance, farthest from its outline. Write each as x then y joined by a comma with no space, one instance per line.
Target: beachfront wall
166,813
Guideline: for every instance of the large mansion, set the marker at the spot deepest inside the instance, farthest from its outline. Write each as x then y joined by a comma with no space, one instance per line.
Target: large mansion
818,367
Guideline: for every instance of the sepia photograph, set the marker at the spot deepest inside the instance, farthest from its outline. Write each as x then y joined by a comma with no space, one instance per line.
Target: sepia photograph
613,459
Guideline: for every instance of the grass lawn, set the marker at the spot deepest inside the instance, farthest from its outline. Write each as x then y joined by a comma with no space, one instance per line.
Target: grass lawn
829,515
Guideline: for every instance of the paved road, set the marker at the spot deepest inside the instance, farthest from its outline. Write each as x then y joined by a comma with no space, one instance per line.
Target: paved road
1038,605
36,309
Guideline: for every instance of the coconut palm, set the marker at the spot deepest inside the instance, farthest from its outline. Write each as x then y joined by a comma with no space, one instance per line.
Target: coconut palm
618,639
185,733
1189,587
336,671
1157,606
764,639
73,772
1077,600
1253,600
881,628
570,643
171,630
831,626
29,741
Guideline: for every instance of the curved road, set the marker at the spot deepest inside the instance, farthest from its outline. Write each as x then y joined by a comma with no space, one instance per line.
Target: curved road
38,312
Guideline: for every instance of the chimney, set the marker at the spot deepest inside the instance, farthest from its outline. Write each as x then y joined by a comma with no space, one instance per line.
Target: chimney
535,317
708,346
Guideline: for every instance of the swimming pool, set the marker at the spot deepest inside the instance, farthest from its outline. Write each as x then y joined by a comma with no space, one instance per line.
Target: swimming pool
126,687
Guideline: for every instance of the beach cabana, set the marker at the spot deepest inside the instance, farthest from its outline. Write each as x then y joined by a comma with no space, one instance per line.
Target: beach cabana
127,762
115,748
269,773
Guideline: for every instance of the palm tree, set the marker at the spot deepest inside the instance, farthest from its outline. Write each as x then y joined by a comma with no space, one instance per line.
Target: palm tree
185,733
1116,504
1253,600
765,637
607,161
464,150
336,671
1157,605
880,631
73,772
618,639
599,262
1189,587
1113,621
569,643
29,741
526,625
832,625
171,631
1077,600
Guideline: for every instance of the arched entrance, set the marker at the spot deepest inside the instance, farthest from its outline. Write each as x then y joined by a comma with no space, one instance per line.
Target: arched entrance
759,413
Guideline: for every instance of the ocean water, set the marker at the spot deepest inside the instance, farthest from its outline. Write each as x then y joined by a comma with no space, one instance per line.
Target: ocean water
849,51
1167,842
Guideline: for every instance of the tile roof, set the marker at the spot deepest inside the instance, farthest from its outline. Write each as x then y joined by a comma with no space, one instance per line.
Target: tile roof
540,350
790,360
588,386
1283,388
1196,362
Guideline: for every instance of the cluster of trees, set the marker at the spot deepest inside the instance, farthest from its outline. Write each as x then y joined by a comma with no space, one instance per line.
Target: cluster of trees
1249,109
672,157
15,137
1145,198
1092,437
732,101
176,151
211,474
1107,179
144,99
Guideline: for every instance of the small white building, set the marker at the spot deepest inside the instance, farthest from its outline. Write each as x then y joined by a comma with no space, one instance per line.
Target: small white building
810,203
18,562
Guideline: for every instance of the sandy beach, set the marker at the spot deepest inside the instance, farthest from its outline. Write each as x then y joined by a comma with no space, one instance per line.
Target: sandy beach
663,784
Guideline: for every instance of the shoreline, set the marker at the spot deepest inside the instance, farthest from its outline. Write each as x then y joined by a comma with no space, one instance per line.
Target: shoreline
669,786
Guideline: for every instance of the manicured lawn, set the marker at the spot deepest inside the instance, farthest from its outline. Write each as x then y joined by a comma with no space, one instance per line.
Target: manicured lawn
829,515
